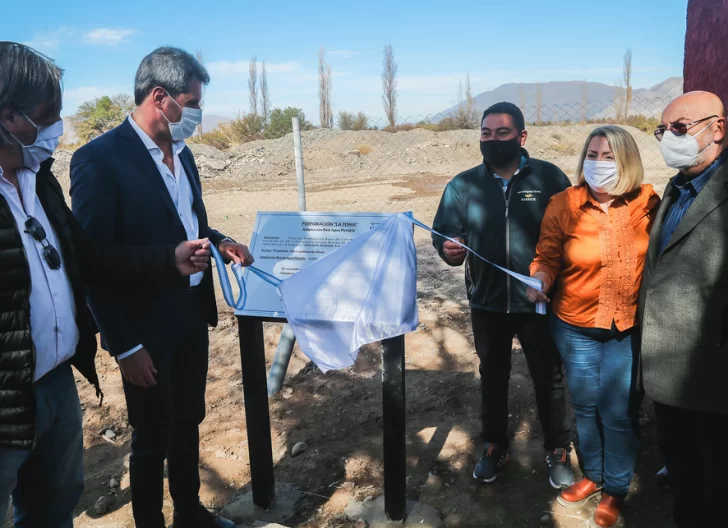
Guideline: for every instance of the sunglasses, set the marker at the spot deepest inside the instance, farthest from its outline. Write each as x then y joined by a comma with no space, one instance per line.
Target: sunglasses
679,129
50,254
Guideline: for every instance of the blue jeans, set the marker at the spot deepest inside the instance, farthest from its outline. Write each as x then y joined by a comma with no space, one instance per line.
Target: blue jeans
599,370
46,482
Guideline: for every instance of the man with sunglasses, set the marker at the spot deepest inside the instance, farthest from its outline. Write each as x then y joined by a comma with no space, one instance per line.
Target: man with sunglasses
45,326
684,310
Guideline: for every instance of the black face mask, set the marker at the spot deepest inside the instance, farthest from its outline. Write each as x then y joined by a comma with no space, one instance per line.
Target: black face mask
500,153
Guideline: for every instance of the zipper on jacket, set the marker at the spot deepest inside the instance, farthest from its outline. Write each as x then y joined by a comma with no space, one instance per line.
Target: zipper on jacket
507,197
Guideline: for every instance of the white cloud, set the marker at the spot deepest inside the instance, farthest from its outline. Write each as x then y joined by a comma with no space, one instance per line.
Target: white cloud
50,40
108,37
240,68
342,54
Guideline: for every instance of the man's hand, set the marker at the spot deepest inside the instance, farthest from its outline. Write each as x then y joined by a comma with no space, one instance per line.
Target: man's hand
454,254
138,369
192,256
238,253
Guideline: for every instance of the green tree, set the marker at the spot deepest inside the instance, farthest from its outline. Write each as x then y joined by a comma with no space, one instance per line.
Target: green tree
279,124
93,118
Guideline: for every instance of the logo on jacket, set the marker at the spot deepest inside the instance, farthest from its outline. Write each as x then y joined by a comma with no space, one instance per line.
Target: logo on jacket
528,196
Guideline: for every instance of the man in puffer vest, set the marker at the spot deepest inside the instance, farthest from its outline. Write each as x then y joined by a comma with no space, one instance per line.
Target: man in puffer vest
45,326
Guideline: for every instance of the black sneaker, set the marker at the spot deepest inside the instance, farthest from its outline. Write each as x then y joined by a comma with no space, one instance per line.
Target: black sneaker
490,464
559,463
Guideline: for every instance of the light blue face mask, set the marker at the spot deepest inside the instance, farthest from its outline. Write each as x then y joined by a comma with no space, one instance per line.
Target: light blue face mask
188,123
45,144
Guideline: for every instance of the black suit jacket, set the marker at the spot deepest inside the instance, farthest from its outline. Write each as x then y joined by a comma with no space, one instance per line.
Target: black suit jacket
684,304
119,197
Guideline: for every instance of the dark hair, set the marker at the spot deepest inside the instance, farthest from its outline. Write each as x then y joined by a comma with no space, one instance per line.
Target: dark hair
510,109
27,79
170,68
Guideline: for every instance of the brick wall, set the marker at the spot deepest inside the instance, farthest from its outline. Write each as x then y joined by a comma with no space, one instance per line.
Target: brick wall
706,47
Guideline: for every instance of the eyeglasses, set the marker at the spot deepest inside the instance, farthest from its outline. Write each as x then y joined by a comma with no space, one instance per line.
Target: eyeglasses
50,254
679,129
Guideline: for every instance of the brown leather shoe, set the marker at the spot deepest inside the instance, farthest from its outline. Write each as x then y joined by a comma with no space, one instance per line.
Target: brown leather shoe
607,512
578,494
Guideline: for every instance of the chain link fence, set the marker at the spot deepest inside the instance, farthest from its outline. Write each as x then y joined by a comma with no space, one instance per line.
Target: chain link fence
380,169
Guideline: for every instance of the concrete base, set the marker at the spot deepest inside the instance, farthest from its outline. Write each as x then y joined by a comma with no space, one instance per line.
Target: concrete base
418,515
243,511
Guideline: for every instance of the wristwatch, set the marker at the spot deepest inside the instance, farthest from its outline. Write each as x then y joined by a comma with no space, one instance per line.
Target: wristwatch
227,239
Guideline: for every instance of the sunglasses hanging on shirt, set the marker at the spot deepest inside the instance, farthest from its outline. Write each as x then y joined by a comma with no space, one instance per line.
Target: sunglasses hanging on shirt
50,254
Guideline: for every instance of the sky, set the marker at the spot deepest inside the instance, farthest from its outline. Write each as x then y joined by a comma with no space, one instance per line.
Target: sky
436,43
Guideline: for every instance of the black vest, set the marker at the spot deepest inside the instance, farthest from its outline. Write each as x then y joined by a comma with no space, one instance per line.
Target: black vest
17,354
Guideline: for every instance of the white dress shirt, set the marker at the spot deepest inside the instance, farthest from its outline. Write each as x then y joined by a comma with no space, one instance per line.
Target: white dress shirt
180,191
53,327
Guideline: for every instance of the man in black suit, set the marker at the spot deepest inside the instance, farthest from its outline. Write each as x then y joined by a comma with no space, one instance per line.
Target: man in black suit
139,184
684,310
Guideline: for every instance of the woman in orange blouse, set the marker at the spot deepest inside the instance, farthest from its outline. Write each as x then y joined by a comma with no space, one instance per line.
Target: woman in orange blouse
590,258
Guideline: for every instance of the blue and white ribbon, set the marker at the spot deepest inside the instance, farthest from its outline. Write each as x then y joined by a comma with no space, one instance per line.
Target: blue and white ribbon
239,303
529,281
227,290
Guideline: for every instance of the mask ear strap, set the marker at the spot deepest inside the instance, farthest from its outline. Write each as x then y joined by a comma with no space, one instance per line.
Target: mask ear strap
696,138
706,128
29,120
174,101
165,115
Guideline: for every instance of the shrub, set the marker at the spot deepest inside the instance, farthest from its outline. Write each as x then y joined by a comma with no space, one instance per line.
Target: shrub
348,121
364,149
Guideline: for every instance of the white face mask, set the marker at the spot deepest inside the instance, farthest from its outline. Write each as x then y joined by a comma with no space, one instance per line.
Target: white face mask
682,152
188,123
45,144
601,176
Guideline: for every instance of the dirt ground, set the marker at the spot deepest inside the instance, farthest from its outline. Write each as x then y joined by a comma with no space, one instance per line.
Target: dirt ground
339,414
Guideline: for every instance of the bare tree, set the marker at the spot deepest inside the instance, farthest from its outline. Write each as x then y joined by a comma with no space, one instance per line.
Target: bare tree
627,81
389,85
522,98
470,102
253,85
328,96
201,59
539,103
326,115
584,102
264,94
619,101
465,116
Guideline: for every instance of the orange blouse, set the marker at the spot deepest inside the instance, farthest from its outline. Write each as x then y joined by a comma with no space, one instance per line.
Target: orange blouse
594,260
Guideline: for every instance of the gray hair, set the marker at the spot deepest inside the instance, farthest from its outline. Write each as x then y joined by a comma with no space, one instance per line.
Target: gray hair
27,79
170,68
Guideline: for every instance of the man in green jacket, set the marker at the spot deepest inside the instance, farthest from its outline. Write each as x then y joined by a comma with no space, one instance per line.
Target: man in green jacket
496,209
